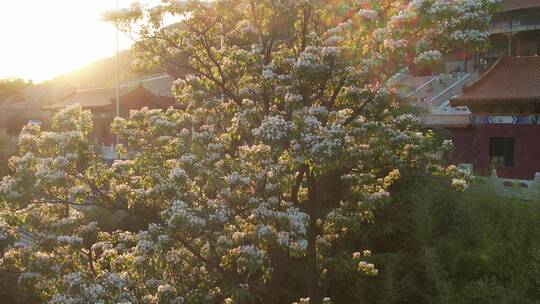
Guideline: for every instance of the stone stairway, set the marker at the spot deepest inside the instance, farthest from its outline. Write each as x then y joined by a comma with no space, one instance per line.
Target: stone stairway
434,91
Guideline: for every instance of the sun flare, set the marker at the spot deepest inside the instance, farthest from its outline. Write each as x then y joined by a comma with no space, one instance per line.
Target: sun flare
43,39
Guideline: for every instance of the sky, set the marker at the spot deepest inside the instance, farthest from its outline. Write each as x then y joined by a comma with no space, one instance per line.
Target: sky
41,39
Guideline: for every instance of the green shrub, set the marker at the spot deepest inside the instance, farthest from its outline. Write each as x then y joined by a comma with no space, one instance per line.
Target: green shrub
433,246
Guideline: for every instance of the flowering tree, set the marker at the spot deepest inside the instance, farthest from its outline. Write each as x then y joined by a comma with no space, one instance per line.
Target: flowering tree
252,193
469,28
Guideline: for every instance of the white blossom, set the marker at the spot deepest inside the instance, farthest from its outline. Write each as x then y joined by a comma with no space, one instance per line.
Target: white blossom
367,14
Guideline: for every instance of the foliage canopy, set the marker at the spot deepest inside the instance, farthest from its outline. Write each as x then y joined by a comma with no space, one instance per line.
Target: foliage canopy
255,191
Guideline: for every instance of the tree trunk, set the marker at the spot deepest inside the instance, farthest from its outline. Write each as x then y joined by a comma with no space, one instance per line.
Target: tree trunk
279,261
324,194
314,290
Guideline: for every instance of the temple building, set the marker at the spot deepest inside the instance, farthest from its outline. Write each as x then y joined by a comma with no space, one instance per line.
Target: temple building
515,30
152,92
493,115
503,131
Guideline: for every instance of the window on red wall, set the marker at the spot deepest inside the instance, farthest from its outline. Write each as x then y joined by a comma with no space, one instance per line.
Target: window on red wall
501,151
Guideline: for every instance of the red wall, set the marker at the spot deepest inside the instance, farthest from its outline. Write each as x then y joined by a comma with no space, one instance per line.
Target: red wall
472,146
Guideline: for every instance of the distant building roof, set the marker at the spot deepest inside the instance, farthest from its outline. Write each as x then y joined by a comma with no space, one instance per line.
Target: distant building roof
447,120
90,98
13,98
31,99
158,86
106,97
509,80
512,5
46,93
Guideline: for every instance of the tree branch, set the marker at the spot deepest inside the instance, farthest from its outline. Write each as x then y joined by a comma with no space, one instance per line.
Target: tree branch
298,183
67,203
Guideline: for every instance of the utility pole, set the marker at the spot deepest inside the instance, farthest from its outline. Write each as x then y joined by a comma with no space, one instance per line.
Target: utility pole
117,74
221,41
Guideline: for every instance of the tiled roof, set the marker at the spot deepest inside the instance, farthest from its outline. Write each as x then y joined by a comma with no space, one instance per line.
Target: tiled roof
47,93
510,80
510,5
159,85
13,98
447,120
35,96
89,98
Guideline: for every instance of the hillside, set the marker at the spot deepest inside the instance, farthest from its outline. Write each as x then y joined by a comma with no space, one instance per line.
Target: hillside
99,73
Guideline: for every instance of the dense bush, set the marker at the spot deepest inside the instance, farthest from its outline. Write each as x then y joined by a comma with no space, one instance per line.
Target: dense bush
435,246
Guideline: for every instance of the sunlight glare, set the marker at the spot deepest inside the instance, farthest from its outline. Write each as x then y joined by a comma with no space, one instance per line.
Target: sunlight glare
43,39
